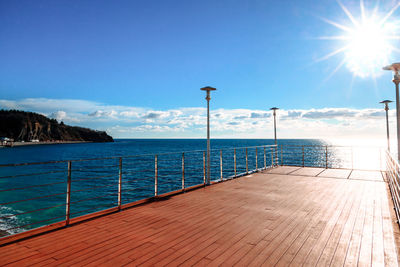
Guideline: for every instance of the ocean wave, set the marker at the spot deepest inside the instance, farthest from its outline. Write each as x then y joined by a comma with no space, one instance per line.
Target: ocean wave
8,221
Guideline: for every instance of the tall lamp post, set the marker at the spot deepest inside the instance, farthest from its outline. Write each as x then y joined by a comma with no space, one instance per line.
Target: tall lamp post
208,89
395,67
386,102
274,109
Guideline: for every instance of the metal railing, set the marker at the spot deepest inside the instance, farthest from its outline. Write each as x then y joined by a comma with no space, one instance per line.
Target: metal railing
393,180
38,194
62,192
338,157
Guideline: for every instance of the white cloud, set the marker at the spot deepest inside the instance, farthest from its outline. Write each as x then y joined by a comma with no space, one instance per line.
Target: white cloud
126,121
58,115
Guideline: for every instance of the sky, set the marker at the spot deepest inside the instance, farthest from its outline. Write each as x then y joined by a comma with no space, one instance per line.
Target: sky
135,68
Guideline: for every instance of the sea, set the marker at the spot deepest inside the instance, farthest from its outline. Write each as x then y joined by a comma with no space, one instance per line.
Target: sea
33,179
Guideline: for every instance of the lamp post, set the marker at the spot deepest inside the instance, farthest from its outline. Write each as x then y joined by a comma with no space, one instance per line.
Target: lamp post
274,109
386,102
208,89
395,67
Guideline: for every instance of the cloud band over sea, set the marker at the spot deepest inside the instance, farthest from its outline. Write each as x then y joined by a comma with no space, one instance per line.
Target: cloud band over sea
190,122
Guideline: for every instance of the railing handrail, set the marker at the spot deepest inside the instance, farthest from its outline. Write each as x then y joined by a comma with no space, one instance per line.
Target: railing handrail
393,179
393,160
127,156
358,146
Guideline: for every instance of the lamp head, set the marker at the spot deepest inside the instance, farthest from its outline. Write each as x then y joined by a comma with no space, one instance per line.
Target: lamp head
394,67
208,88
274,109
386,102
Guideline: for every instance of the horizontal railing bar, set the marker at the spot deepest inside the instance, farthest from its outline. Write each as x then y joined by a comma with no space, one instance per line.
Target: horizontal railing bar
90,188
96,167
31,174
134,171
87,199
18,201
31,186
94,171
169,170
94,178
22,226
91,208
31,211
136,188
135,177
169,167
169,175
148,179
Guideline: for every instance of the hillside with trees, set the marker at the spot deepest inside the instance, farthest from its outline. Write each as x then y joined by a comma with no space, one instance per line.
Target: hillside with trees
28,126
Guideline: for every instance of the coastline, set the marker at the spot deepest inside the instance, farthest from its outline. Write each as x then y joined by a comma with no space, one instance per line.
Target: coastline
44,143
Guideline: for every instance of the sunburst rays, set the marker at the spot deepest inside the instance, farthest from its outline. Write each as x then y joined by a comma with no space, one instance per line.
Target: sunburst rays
367,42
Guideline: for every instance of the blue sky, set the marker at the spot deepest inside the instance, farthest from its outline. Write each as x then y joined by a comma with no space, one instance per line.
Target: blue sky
153,56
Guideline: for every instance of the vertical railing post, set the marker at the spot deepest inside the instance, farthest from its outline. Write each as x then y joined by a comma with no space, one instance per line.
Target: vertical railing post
326,157
281,155
220,164
265,159
303,155
204,168
155,175
68,200
234,161
256,161
272,157
183,171
120,184
247,163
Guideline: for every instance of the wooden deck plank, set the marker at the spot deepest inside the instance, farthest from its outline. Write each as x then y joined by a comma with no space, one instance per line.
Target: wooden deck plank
345,238
365,258
391,254
315,227
346,218
318,245
308,171
377,233
366,175
286,233
335,173
268,218
353,250
284,170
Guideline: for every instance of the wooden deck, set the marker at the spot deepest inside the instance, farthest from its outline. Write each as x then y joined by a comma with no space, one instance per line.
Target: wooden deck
285,216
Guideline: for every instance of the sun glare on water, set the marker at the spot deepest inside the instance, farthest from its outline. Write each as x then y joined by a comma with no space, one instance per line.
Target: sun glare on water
368,42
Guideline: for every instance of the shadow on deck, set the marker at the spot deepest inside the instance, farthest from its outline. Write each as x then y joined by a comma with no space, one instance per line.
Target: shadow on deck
284,216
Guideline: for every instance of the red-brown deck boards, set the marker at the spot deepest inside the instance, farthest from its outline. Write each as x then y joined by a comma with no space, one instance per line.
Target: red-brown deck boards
263,219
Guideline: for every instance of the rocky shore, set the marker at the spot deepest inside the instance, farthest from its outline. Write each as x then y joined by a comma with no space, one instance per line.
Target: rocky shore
46,143
28,128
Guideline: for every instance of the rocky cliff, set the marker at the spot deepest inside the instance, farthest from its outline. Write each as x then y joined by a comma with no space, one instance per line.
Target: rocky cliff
26,126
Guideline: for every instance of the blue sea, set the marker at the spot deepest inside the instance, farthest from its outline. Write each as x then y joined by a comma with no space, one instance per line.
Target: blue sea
35,195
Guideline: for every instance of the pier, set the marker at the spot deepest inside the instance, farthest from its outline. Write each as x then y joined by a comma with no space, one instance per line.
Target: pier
280,215
288,215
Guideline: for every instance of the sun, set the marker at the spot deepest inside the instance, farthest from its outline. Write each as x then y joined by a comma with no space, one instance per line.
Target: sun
368,42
